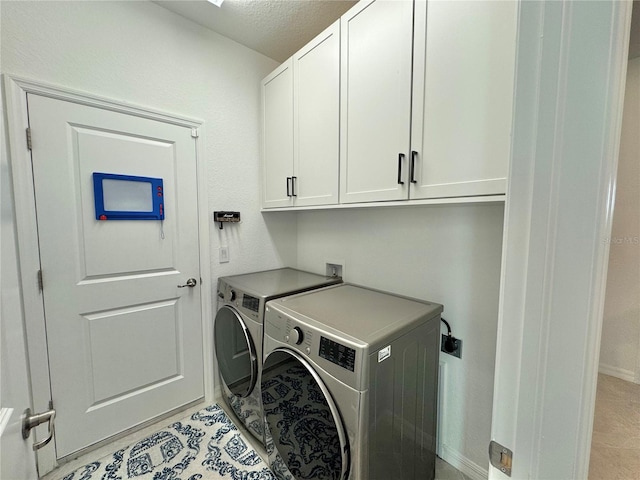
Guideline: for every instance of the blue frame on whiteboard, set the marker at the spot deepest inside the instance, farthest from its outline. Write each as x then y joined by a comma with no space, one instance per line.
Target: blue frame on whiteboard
156,191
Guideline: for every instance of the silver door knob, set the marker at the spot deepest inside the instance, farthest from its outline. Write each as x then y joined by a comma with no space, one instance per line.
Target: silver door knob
190,283
30,421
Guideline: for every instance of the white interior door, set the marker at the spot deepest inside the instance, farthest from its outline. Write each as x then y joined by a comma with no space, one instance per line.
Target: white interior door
124,341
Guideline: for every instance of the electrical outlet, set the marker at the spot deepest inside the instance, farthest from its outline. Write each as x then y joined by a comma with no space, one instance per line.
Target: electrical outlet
457,352
223,253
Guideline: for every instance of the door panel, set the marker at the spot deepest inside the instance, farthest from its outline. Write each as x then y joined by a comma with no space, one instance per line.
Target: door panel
125,343
317,114
156,357
277,136
106,247
375,113
463,93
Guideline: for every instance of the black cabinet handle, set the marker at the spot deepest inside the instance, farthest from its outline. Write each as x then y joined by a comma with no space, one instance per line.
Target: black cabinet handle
294,180
412,173
400,159
288,186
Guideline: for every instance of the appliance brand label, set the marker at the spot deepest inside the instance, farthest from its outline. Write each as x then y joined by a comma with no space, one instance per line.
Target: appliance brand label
384,353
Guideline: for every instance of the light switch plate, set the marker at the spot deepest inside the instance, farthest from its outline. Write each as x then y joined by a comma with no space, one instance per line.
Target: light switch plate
223,253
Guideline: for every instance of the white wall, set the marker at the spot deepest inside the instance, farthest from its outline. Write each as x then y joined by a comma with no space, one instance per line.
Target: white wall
620,347
141,53
447,254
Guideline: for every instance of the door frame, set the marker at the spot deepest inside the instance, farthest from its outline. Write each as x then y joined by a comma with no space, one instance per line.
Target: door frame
558,215
16,90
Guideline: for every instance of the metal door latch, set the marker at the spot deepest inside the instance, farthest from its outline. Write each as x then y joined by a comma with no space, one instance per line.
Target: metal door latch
501,457
30,421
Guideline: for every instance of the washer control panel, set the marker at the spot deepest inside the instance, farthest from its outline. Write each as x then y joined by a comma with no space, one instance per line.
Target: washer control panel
337,356
297,336
337,353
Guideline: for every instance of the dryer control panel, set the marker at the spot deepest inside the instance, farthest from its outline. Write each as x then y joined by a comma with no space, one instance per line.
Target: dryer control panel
250,303
247,304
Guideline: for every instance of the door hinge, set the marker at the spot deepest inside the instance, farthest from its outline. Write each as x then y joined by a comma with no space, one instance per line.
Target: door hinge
195,133
500,457
28,131
40,282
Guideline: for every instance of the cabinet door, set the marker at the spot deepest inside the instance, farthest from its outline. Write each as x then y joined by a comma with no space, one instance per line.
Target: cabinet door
463,90
376,42
316,70
277,136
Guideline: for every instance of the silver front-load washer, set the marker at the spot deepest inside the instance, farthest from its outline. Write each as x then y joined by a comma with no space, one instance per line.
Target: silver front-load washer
349,385
238,332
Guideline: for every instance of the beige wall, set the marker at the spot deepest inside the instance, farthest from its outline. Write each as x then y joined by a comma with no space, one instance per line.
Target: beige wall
620,348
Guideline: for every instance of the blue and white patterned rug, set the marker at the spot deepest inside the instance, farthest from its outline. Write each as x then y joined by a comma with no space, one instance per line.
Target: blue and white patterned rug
206,445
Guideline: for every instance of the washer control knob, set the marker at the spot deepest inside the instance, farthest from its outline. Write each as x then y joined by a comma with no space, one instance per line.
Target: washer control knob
232,296
296,335
308,350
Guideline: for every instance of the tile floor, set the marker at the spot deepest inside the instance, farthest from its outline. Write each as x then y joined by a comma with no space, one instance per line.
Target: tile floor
444,471
615,446
122,442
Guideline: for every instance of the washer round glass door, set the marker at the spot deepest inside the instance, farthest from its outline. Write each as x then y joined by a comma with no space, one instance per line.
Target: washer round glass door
235,352
304,435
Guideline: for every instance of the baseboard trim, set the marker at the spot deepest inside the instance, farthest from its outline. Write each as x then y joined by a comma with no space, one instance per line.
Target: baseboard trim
617,372
463,464
441,436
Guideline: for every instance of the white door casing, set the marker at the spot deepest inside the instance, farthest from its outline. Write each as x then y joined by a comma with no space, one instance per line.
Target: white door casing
17,459
571,69
26,226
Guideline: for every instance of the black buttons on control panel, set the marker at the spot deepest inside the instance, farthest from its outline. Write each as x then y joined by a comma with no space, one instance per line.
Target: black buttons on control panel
232,296
250,303
337,353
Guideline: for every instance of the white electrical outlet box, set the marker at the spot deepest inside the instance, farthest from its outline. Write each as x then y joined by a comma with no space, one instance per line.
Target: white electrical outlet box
223,253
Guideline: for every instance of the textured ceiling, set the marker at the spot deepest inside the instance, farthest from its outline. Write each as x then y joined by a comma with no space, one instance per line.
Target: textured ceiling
275,28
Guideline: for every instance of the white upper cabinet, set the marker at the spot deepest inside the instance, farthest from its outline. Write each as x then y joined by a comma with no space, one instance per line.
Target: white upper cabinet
316,94
301,102
456,112
406,99
376,38
462,97
277,136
